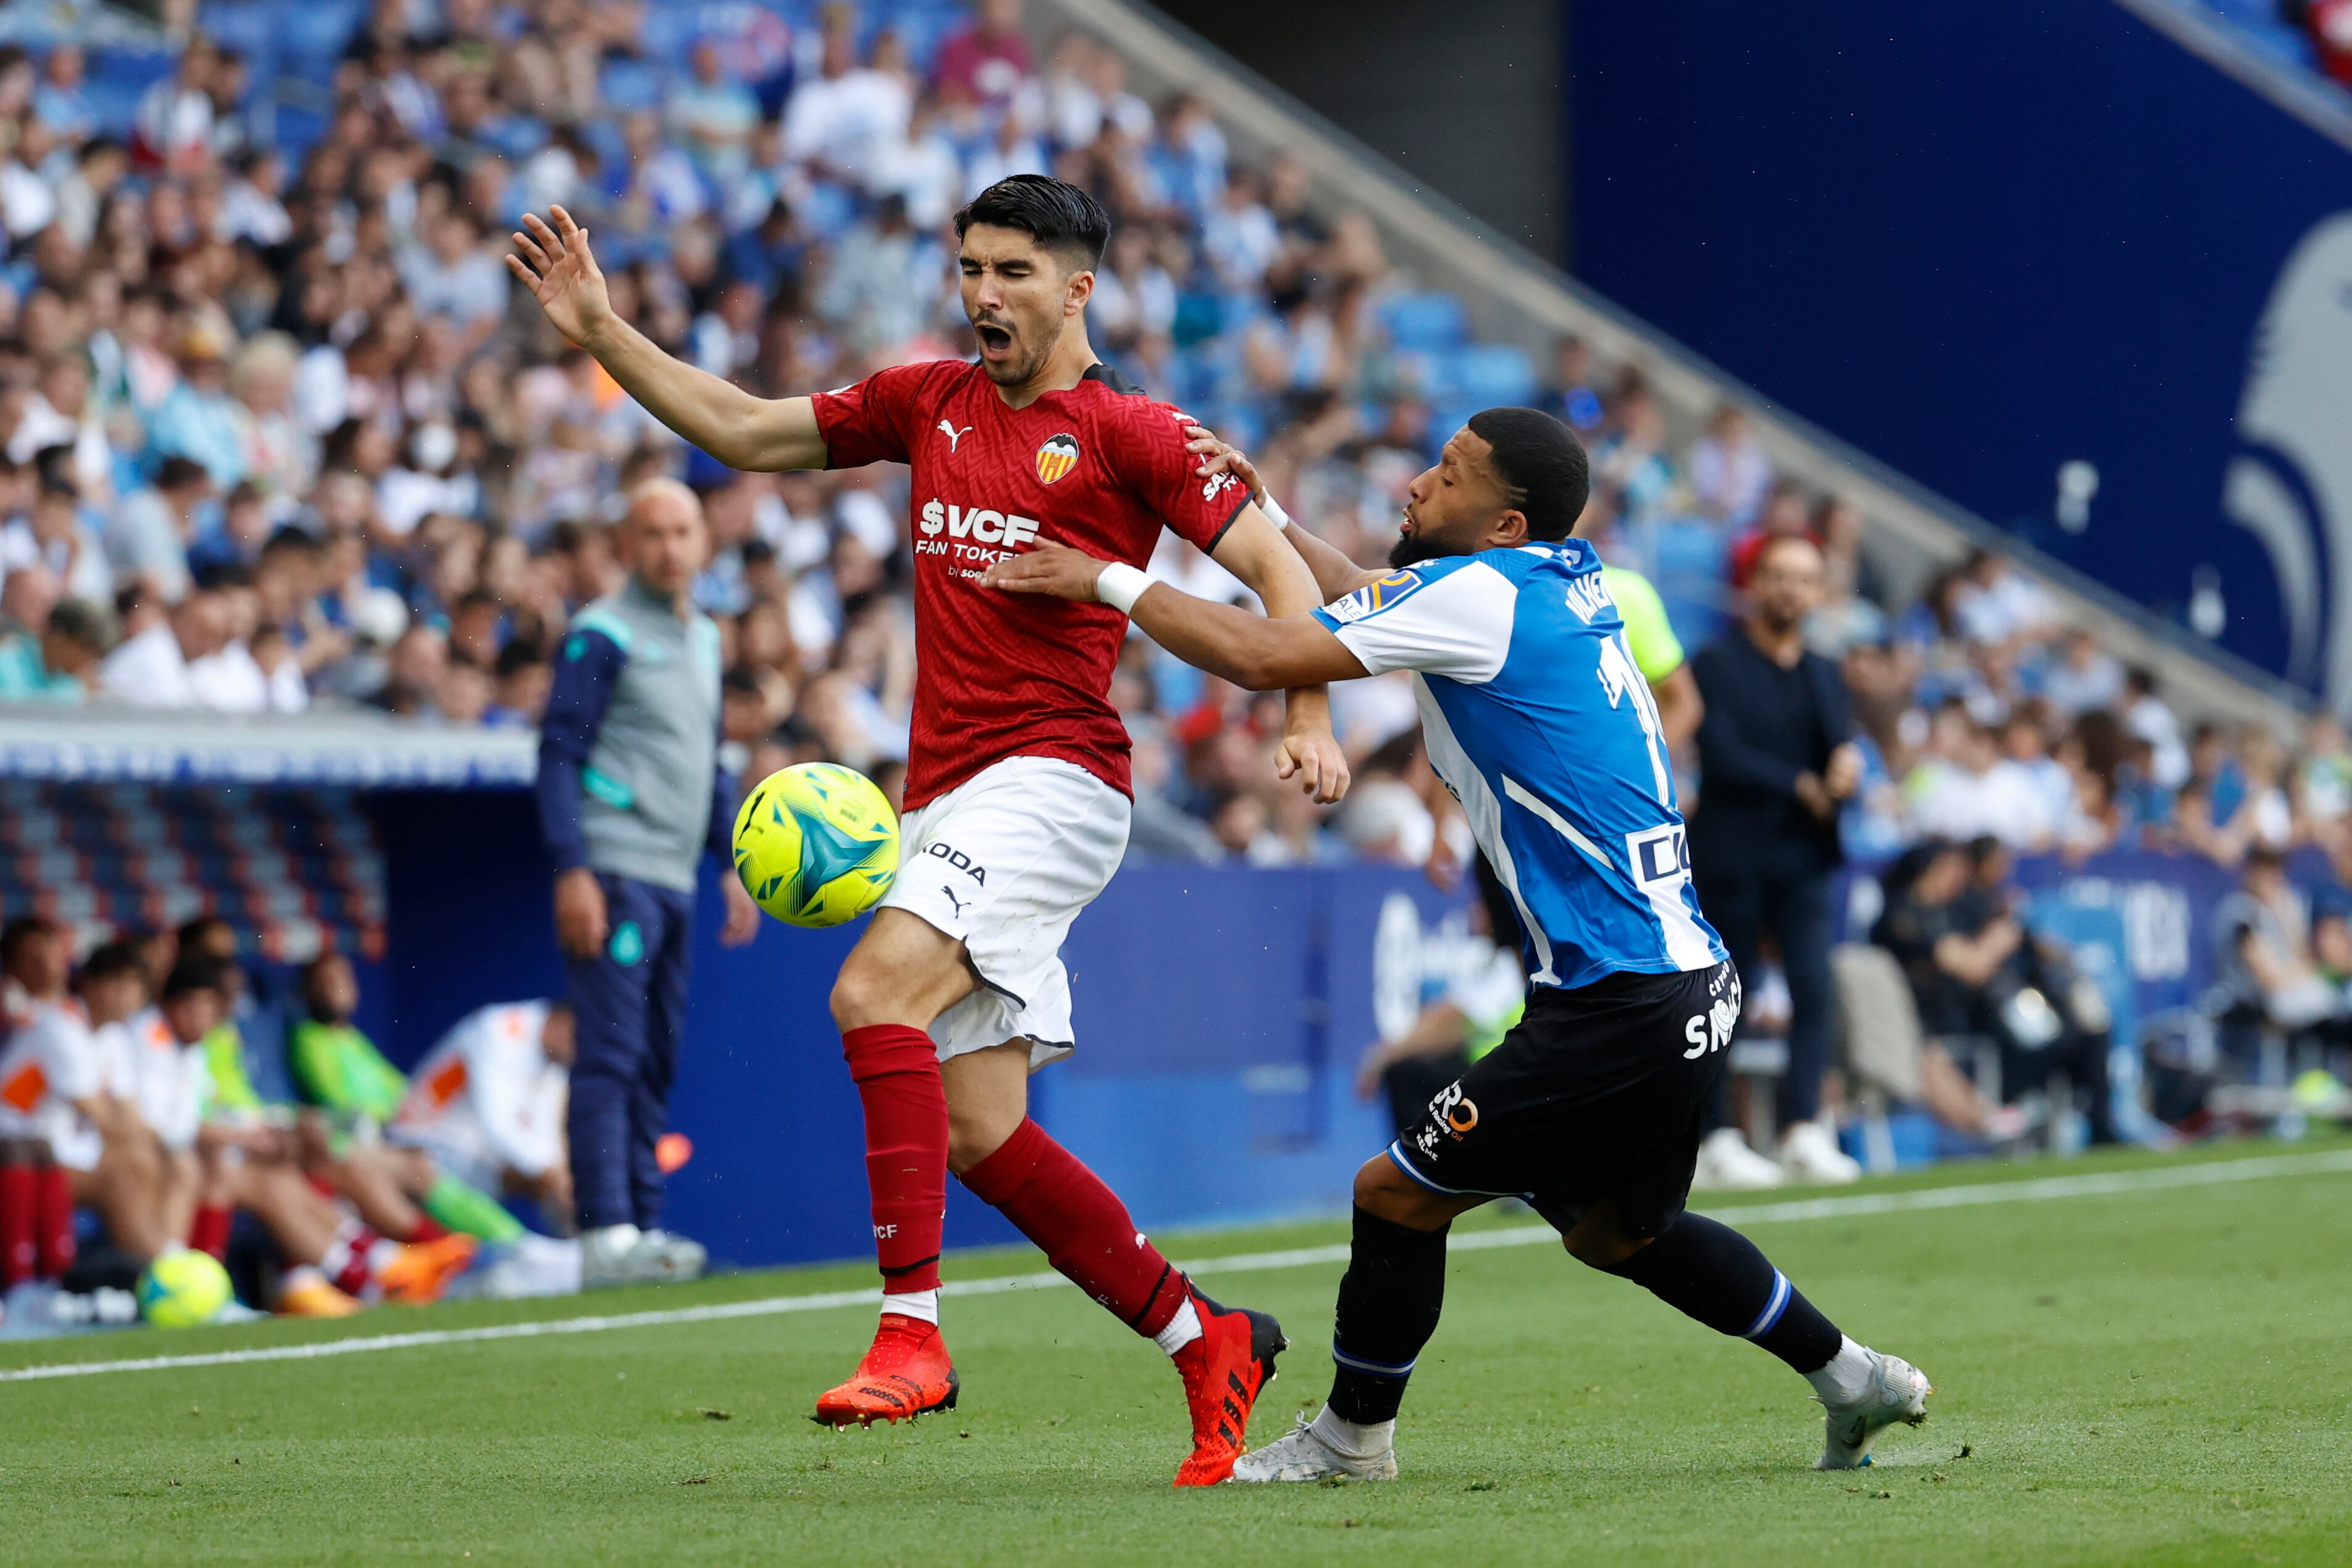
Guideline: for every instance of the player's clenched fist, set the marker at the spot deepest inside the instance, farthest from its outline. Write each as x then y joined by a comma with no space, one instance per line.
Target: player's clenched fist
1310,754
556,265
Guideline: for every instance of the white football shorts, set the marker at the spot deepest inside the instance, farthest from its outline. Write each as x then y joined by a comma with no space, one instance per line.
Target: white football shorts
1003,862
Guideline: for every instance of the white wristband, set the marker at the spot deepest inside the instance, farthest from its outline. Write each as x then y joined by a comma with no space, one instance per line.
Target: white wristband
1122,585
1273,509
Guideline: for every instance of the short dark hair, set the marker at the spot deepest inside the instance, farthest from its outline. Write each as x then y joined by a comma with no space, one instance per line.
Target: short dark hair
20,931
118,957
179,472
1542,465
196,971
79,621
1058,216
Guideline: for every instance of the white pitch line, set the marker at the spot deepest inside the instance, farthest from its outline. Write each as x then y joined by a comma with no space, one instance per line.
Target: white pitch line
2044,1190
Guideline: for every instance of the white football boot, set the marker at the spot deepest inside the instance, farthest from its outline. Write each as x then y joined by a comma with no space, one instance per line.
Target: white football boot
1302,1455
678,1257
1726,1164
1895,1391
1810,1154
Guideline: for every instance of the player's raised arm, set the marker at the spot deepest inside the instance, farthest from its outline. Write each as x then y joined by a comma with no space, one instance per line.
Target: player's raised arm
738,429
1255,652
1255,550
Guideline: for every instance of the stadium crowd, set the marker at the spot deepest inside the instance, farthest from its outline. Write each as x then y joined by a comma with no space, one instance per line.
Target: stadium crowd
277,434
274,432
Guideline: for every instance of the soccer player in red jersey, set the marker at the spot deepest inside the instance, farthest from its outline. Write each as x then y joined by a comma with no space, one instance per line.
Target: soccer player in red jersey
1018,797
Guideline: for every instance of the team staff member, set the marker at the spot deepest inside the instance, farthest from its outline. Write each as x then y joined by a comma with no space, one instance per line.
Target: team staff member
630,796
1777,755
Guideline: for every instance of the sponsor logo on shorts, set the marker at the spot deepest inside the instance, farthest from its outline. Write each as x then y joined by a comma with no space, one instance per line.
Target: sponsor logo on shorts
959,859
1711,1030
1451,1110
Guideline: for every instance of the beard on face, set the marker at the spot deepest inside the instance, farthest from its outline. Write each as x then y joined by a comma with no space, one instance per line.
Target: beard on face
1411,549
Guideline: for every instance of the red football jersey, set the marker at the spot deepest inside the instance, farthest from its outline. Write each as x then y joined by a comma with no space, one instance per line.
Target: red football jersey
1101,467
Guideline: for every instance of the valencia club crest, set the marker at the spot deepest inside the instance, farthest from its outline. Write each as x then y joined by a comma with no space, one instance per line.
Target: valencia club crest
1057,456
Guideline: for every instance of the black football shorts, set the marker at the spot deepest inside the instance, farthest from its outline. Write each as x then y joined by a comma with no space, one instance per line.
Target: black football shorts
1598,1092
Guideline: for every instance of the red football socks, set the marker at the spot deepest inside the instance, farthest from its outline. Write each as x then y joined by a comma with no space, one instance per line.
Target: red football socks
897,1069
19,1222
208,1231
54,1215
1081,1227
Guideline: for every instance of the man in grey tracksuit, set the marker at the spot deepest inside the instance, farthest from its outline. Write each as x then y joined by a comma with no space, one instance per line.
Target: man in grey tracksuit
630,796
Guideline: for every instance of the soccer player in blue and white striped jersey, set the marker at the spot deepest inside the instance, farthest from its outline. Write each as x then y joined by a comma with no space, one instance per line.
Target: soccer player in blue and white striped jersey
1537,718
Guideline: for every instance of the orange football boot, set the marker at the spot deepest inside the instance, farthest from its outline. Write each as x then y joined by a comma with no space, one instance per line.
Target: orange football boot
906,1374
1224,1371
307,1293
423,1271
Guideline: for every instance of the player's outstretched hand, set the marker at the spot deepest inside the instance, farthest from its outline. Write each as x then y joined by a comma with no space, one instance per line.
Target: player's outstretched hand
1051,569
742,915
1311,755
556,265
1221,457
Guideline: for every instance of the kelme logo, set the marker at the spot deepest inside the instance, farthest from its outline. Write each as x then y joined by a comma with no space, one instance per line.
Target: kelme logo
628,943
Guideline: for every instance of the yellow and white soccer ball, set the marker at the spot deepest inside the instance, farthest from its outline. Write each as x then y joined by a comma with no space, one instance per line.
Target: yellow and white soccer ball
181,1289
816,844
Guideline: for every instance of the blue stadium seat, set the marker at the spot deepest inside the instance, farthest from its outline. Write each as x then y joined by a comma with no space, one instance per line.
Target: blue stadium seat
251,30
313,35
1425,323
1489,374
630,85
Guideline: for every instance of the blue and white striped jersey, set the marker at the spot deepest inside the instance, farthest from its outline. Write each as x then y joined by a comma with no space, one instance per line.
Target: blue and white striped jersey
1538,721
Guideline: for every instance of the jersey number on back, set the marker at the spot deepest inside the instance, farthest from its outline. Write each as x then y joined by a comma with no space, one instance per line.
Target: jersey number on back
1620,681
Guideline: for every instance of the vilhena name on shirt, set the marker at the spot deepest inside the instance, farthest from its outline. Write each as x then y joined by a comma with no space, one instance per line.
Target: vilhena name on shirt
1587,596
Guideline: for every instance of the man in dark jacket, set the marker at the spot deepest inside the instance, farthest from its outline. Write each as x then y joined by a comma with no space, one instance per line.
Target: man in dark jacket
1774,766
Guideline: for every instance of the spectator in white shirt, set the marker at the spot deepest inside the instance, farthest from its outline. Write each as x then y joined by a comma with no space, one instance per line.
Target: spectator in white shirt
54,536
849,112
455,277
714,115
1970,791
1240,238
1729,470
60,413
173,128
150,667
2083,676
2149,719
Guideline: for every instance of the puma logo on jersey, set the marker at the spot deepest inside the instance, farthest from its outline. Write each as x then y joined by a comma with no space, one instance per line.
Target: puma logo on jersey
982,525
953,434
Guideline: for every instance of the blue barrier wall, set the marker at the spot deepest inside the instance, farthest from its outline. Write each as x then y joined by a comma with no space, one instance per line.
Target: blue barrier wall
1220,1013
1984,241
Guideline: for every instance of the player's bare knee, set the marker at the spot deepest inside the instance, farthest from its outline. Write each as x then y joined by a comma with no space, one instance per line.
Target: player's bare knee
975,1134
861,995
1384,1191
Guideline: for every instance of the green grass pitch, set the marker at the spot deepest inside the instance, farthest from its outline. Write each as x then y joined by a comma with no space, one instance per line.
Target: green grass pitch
2149,1376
